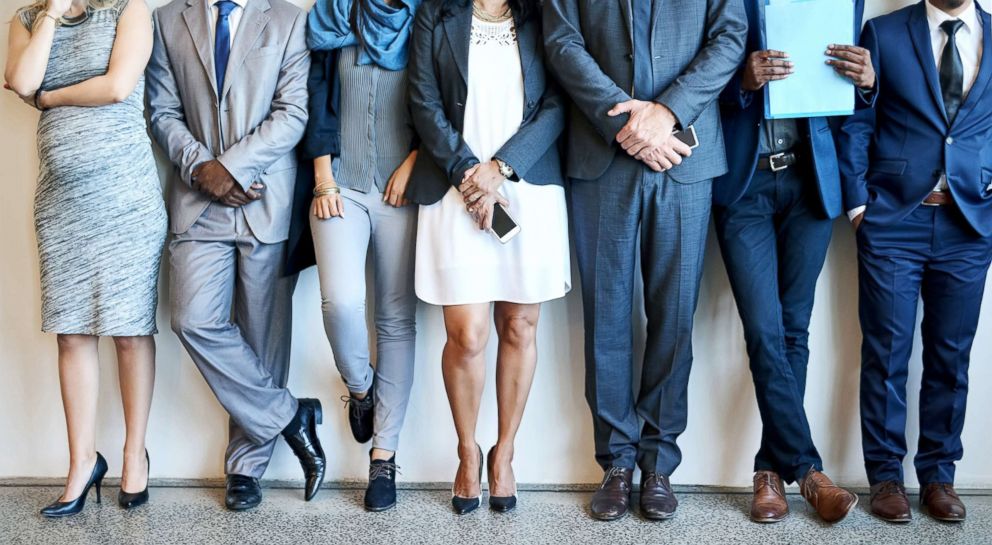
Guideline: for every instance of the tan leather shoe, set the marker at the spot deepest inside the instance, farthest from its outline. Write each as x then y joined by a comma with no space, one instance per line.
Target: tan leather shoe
831,502
768,503
889,502
612,500
941,502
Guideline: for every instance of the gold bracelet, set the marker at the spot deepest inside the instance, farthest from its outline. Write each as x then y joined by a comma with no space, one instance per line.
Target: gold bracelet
48,14
322,191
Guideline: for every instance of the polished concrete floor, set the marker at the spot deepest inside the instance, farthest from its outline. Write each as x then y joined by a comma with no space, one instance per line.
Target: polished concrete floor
197,516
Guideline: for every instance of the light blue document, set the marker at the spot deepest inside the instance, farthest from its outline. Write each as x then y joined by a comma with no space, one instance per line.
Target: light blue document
804,29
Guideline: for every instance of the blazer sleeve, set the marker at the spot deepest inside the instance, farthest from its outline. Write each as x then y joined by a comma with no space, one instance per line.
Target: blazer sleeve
592,91
438,137
535,137
165,108
856,134
282,130
720,57
322,135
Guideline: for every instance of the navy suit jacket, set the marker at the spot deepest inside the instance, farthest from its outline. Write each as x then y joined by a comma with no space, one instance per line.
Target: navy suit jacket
741,113
892,155
438,89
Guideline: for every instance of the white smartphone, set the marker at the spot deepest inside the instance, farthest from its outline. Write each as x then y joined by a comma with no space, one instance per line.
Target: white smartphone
688,137
504,228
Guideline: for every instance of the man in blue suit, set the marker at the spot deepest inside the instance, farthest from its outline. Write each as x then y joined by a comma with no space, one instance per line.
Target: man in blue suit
636,70
773,214
917,176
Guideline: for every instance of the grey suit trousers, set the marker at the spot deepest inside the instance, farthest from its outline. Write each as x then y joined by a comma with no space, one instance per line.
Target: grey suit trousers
232,310
672,219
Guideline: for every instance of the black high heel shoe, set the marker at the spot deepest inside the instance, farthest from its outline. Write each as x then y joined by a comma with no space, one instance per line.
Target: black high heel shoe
128,500
68,508
463,506
500,504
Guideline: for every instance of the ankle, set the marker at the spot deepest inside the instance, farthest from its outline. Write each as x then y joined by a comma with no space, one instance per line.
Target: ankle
82,462
468,452
382,454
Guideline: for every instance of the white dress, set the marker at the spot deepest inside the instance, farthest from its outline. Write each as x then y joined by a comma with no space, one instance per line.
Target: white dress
457,264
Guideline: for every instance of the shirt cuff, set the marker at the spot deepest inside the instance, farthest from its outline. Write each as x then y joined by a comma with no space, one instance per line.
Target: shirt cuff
855,212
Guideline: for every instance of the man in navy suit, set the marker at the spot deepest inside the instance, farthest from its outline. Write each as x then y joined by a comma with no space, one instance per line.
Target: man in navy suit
773,214
916,171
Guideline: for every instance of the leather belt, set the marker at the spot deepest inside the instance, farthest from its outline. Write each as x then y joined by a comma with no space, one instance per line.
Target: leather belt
778,161
938,198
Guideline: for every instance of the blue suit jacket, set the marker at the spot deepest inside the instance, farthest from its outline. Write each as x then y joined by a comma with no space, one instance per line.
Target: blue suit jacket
892,155
741,113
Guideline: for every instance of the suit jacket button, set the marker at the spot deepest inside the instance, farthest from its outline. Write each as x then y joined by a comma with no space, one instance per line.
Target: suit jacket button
630,56
949,141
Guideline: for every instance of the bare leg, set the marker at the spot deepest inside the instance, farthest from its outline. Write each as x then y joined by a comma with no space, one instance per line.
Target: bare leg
516,326
463,364
79,376
136,368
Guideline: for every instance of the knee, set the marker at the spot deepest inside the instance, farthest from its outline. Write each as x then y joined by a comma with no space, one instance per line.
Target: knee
517,331
131,344
188,325
469,341
343,306
68,343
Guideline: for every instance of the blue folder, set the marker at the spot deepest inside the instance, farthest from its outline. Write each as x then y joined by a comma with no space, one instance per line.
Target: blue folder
804,29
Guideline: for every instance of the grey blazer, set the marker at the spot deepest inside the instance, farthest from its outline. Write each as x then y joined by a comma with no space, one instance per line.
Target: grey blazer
254,130
696,47
438,91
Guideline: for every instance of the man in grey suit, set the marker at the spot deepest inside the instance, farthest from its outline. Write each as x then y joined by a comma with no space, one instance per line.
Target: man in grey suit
636,71
227,93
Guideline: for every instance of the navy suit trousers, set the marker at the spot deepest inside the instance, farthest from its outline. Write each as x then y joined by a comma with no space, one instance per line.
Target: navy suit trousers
774,241
933,252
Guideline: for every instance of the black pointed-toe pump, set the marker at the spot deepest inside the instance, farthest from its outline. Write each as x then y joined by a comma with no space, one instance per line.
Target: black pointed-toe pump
500,504
127,500
69,508
464,506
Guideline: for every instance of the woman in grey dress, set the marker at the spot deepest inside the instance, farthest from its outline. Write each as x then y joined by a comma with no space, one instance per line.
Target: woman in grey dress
99,216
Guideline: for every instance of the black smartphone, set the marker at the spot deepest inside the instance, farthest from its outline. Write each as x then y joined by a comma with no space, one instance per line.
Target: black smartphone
688,137
504,228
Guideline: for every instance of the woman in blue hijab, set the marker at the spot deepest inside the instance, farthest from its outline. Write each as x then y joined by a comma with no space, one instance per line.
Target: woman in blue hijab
363,147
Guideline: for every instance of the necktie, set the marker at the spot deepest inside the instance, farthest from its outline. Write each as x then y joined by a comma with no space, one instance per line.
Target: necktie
951,70
222,41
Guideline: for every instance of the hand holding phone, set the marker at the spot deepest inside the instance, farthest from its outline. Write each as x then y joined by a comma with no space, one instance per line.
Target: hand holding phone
504,228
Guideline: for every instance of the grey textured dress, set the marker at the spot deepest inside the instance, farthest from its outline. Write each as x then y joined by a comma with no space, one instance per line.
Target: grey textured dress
99,213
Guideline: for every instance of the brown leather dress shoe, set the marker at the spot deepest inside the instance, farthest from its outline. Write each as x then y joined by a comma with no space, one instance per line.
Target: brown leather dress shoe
889,502
768,503
831,502
657,500
941,502
612,500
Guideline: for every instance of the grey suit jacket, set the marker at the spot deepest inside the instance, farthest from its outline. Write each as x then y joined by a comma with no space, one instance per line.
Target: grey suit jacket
254,130
697,45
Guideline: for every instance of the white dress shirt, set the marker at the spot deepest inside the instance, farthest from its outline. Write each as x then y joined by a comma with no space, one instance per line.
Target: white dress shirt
234,18
969,42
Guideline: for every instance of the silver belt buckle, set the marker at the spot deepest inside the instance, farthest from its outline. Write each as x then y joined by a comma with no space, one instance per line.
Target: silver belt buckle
773,158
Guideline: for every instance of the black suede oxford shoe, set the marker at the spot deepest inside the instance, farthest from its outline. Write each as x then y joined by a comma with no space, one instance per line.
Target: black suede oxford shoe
381,492
361,414
243,493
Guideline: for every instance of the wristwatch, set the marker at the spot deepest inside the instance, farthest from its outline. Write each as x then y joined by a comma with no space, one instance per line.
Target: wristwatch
506,170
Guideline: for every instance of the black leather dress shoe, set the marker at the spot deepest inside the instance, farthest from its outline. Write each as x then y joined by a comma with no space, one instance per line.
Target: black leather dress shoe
612,500
361,414
301,434
657,500
128,500
243,493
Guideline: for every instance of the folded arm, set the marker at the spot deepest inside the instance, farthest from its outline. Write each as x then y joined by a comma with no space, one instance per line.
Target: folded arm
282,130
165,108
28,50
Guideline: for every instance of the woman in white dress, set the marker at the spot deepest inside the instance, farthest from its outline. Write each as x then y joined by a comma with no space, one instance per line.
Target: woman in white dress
489,120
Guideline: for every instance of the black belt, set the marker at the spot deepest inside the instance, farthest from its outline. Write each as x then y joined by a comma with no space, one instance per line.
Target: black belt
778,161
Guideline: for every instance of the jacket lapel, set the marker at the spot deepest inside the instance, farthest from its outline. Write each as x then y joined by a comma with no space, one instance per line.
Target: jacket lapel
919,31
197,20
984,70
627,12
252,23
528,46
458,32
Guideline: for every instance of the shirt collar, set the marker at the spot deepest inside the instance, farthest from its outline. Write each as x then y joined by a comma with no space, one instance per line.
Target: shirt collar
969,17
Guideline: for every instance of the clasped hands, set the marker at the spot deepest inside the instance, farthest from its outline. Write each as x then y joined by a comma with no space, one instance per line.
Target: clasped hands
648,134
214,180
480,190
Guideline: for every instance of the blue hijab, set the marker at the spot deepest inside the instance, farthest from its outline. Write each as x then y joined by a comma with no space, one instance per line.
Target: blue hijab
385,30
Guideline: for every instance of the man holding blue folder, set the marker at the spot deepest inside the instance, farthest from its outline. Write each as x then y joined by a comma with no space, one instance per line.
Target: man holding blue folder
917,173
773,213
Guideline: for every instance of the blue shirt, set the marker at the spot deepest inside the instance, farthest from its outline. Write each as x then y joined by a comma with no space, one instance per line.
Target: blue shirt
643,70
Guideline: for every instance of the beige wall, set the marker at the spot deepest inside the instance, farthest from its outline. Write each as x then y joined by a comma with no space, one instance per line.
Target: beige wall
188,427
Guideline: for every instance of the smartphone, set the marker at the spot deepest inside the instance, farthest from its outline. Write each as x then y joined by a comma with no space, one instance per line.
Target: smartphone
688,137
504,228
